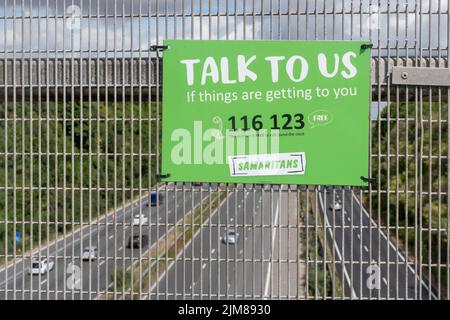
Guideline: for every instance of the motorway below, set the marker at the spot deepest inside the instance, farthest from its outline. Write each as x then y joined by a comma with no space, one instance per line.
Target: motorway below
262,264
368,263
110,234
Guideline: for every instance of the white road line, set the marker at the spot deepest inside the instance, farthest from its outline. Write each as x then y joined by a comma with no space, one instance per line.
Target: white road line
213,250
110,237
366,249
384,280
189,243
204,266
358,235
392,245
44,282
120,248
268,274
327,224
101,263
240,251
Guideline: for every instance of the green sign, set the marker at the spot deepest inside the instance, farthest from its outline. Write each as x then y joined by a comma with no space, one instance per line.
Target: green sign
282,112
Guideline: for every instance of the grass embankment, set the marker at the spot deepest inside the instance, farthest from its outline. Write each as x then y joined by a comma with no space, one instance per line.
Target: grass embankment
63,165
419,209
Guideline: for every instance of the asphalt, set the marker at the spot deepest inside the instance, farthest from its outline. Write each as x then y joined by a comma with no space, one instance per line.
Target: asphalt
253,268
263,264
110,234
367,262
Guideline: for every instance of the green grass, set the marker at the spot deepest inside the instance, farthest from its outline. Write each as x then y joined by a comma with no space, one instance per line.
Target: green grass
53,179
418,174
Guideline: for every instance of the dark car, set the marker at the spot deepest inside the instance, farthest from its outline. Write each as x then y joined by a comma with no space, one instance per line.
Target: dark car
156,197
137,241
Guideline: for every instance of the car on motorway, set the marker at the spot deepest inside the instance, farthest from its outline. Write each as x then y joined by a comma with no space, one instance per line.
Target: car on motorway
156,198
89,253
140,219
137,241
230,236
335,206
41,266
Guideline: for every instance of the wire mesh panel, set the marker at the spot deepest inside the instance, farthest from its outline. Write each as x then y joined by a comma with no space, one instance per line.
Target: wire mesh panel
84,216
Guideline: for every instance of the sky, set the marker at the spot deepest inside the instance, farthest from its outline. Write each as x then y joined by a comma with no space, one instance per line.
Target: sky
46,28
130,25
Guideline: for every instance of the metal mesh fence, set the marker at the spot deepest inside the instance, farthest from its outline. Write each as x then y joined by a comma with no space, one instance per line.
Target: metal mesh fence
82,215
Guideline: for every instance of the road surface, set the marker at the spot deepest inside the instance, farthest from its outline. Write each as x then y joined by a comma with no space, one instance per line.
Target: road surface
263,264
373,268
110,234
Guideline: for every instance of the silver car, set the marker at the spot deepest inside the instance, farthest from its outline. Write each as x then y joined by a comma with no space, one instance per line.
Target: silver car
90,253
41,266
230,237
336,206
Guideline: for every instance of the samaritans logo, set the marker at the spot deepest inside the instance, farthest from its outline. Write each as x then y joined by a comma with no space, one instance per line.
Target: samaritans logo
267,164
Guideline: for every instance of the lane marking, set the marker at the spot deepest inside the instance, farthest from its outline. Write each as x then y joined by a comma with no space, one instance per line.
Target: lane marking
327,224
204,266
268,274
110,237
189,243
366,249
393,247
115,214
120,248
384,280
44,282
240,252
101,263
213,250
358,235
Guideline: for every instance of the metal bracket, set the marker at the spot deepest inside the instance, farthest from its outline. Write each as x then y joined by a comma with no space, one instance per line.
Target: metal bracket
366,46
369,180
420,76
155,48
162,176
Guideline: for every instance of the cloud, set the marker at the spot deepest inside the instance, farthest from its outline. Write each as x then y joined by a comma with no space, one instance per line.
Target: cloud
109,25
